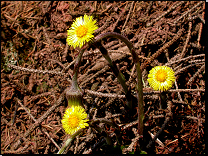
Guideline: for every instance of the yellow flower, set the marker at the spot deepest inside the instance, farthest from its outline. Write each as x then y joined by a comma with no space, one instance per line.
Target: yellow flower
161,78
81,31
74,119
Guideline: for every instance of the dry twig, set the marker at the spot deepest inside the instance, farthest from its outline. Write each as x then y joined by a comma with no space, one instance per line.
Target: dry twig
40,120
201,26
154,56
187,40
37,70
28,112
168,11
196,74
127,16
190,10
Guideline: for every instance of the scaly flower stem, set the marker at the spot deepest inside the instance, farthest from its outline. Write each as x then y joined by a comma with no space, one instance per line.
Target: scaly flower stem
163,100
139,85
76,69
74,93
116,71
68,141
74,96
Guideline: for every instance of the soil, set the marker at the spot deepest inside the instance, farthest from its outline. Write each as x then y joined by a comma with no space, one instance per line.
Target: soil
37,67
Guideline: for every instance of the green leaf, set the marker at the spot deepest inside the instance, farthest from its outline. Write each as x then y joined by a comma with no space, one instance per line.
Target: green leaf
143,152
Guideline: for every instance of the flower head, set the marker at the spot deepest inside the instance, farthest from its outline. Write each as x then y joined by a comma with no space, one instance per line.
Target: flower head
74,119
161,78
81,31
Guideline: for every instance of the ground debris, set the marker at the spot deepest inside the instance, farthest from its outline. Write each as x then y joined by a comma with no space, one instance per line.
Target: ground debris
37,64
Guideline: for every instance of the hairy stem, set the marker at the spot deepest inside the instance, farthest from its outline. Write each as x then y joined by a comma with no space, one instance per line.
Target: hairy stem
68,141
139,85
74,94
76,70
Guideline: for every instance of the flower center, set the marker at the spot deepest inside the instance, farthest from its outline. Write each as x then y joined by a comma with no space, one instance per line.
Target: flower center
161,75
81,31
73,121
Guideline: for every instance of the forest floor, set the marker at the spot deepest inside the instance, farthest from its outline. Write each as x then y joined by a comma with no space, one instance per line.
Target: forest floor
37,65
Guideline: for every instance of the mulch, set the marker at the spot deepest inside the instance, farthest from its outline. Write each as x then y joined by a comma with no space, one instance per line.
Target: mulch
37,67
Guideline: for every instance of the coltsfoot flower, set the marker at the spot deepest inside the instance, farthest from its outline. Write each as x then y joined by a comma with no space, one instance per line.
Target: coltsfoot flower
74,119
81,31
161,78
